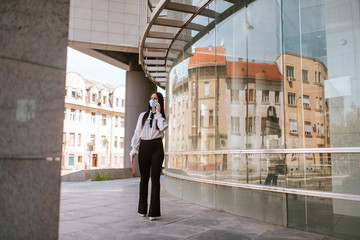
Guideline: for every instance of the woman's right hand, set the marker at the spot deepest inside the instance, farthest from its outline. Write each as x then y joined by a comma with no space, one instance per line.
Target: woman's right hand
132,154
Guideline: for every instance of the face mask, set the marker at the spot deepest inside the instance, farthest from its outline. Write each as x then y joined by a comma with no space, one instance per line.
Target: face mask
152,103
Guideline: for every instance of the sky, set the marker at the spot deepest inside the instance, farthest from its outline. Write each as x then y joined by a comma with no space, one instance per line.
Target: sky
93,68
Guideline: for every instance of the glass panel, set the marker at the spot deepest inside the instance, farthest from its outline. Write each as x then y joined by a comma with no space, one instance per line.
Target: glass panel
323,215
271,75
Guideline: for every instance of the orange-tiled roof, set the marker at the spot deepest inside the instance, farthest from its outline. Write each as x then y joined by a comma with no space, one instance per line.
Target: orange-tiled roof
256,69
207,56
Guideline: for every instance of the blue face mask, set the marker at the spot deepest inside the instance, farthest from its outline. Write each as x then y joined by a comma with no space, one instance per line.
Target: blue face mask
152,103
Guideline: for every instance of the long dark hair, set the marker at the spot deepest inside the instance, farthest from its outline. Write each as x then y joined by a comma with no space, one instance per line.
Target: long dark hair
162,108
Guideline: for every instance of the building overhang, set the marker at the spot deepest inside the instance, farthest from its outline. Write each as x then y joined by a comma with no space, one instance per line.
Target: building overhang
171,32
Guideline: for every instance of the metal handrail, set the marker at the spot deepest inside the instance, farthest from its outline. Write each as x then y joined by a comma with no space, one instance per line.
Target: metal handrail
321,194
269,151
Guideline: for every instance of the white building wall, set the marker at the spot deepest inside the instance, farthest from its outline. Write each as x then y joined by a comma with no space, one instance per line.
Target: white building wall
78,121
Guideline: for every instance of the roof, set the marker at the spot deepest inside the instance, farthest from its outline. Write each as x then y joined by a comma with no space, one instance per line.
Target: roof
99,85
256,70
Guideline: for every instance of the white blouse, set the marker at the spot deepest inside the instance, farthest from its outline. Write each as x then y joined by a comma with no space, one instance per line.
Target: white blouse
147,133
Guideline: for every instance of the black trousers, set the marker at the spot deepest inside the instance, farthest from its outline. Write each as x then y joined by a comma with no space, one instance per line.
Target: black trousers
151,157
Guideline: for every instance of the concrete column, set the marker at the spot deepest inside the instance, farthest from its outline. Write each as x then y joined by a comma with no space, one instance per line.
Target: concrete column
33,47
138,91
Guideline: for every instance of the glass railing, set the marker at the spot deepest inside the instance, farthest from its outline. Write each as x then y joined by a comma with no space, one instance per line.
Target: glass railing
317,171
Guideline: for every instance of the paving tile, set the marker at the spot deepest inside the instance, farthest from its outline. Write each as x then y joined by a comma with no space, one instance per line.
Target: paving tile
100,219
98,233
221,235
279,233
73,226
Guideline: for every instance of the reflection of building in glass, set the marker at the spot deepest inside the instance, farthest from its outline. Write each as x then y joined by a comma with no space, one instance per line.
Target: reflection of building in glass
225,104
306,109
93,134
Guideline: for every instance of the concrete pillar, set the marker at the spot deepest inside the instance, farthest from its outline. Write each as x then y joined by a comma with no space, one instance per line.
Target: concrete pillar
138,91
33,47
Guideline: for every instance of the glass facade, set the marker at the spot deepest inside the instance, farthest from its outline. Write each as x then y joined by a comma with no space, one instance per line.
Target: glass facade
267,94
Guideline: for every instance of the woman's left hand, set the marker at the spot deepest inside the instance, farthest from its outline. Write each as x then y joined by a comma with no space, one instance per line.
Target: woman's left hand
158,108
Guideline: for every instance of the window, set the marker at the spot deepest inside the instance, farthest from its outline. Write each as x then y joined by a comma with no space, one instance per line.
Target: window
72,140
92,139
103,141
73,93
103,120
319,77
79,139
116,121
315,76
65,92
122,102
322,130
251,95
93,117
290,71
104,100
194,119
305,75
265,96
121,142
193,91
115,142
93,98
293,126
79,94
79,159
317,103
211,118
206,89
80,115
320,104
291,98
72,114
235,95
122,120
117,102
202,114
250,124
294,156
235,125
306,101
321,158
318,129
277,97
71,160
307,128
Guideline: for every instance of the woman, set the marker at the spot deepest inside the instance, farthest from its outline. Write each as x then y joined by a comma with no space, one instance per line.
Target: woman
147,142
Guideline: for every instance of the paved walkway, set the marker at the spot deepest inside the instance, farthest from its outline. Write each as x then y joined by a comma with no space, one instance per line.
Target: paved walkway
108,210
